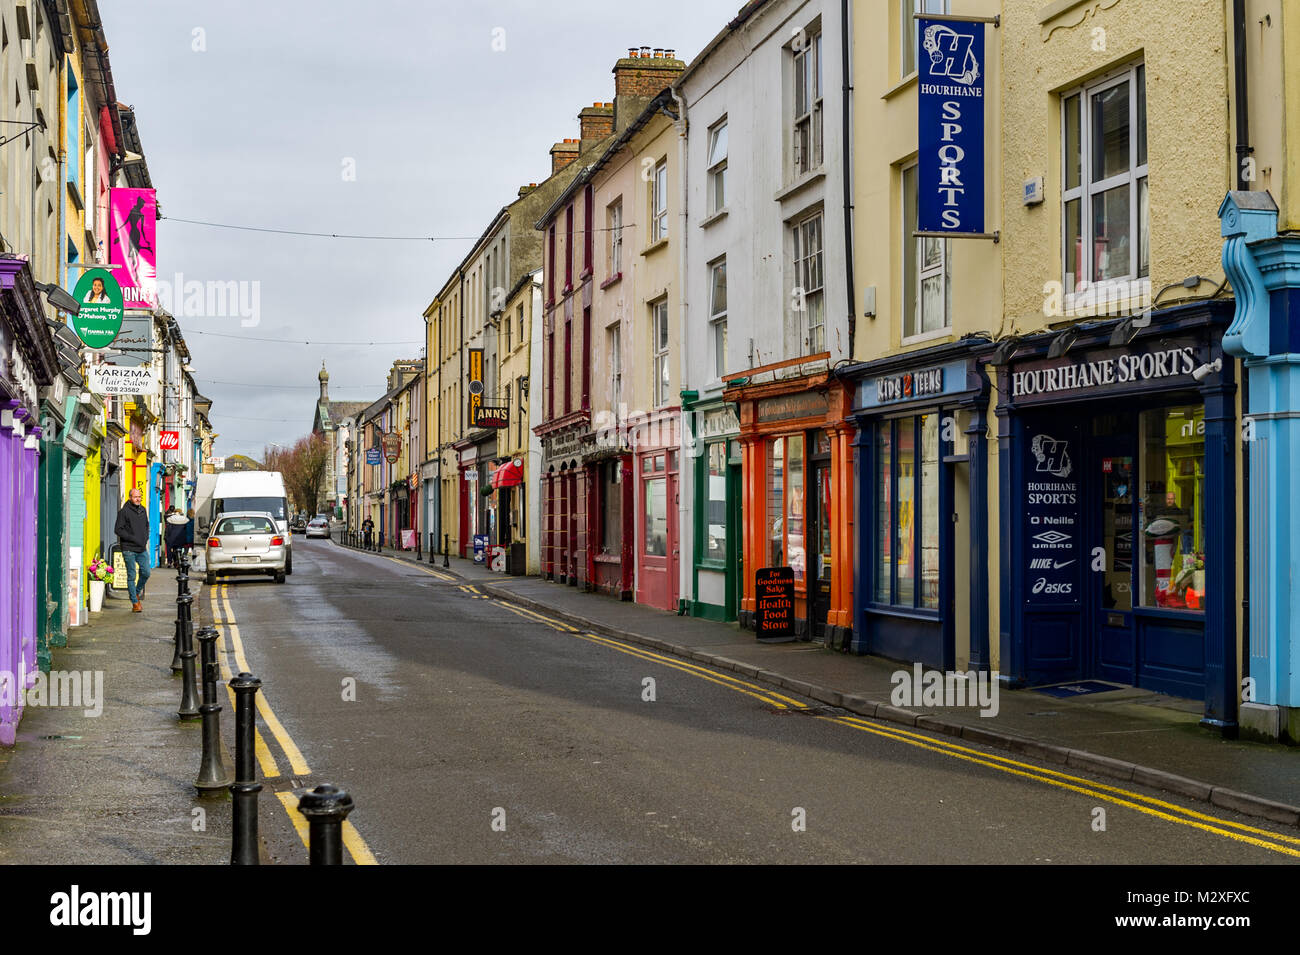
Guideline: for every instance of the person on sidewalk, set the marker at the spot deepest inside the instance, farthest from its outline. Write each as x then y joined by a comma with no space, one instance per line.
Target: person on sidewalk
367,528
132,530
179,535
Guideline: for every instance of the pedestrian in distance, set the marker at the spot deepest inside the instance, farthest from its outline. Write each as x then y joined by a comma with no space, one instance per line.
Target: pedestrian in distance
179,535
132,530
367,528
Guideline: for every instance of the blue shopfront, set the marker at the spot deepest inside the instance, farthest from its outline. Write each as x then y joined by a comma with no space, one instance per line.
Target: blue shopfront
1118,452
921,575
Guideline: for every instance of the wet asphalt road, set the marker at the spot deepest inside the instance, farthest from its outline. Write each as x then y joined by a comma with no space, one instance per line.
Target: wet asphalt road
478,735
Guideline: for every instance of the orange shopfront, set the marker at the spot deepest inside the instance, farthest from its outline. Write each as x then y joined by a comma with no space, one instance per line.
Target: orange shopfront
796,470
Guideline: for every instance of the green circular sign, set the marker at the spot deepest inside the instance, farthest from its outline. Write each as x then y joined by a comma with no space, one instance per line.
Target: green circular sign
100,318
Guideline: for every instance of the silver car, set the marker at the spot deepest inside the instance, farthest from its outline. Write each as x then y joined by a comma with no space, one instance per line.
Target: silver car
245,542
318,527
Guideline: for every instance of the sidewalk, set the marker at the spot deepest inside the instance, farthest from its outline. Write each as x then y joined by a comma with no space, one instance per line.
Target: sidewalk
117,788
1130,734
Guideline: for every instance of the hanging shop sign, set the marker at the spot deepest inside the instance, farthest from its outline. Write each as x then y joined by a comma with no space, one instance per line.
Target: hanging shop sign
1117,370
490,416
119,380
950,135
774,603
475,382
99,321
805,404
374,455
169,440
133,223
392,442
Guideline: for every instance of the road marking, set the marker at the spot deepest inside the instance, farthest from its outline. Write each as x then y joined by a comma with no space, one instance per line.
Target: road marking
296,761
1089,788
270,769
423,570
290,803
352,840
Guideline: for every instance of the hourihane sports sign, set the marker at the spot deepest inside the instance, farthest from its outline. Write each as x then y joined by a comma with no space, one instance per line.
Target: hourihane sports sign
950,132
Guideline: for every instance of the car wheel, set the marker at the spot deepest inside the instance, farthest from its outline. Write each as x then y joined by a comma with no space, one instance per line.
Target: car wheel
279,578
210,578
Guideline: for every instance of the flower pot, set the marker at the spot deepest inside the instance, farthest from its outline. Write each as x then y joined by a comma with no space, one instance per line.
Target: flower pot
96,596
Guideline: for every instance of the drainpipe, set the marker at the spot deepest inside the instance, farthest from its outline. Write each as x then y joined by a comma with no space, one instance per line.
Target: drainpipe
686,462
1241,105
847,141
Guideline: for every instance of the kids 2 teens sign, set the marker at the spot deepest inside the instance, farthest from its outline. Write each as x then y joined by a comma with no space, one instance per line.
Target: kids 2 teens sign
950,114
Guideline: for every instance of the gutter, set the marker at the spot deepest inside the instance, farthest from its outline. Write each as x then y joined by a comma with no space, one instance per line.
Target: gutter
685,568
847,141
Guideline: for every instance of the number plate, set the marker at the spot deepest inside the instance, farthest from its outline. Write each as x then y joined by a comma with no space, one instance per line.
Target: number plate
245,560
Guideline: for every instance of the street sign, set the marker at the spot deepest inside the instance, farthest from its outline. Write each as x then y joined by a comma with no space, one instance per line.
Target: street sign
774,604
374,455
392,446
100,318
169,440
120,380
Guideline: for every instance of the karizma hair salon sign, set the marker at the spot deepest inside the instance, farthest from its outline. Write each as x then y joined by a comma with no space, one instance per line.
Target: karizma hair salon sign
950,134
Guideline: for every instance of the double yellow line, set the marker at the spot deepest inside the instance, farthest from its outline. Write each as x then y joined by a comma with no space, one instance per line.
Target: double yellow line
227,627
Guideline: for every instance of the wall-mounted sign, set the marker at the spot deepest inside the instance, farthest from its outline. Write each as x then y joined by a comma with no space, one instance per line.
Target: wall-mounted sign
475,382
562,445
1118,370
950,134
910,384
99,321
774,603
392,446
169,440
715,424
133,223
1053,526
136,340
491,416
805,404
120,380
374,455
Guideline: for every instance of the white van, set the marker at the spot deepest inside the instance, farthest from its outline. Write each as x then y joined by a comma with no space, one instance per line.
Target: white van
250,491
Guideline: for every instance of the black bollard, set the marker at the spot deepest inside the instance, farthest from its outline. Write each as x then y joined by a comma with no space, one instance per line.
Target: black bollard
189,710
325,808
212,771
446,539
244,790
182,590
418,540
433,548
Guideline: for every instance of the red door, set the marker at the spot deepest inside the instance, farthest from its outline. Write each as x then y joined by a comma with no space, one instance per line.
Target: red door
656,536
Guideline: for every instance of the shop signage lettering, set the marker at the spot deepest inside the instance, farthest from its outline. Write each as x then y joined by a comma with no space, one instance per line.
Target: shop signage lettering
712,424
1114,370
1051,503
392,446
373,455
950,117
563,445
808,404
913,384
119,380
491,416
774,603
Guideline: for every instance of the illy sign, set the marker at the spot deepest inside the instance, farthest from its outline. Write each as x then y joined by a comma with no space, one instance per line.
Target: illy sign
169,440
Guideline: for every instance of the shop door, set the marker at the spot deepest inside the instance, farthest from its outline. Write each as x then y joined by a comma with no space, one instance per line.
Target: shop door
657,535
560,522
571,529
1112,481
735,527
819,566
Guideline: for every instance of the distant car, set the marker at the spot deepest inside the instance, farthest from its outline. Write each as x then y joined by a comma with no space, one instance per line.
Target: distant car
298,525
318,527
245,542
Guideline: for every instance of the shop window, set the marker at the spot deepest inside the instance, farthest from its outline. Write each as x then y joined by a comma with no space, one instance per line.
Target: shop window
715,502
907,512
1172,508
785,505
611,539
656,517
925,271
1105,214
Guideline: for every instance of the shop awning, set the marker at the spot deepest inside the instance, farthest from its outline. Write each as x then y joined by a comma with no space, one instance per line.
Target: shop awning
510,474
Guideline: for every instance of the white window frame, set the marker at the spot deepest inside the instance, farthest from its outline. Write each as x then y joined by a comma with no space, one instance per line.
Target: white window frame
807,67
917,245
614,222
908,42
717,170
804,259
1088,190
659,202
615,333
659,364
718,318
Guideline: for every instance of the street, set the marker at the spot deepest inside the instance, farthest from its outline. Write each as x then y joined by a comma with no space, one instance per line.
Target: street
471,731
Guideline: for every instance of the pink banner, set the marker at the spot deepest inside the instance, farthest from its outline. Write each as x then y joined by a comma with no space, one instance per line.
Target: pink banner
132,231
408,540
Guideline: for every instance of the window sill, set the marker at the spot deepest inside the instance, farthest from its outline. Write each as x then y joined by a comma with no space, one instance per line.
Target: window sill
568,287
719,565
909,80
586,274
607,558
713,218
927,336
803,182
612,280
1108,299
655,246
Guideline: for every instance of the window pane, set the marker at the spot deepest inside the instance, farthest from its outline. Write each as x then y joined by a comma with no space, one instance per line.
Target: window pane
1076,270
612,539
1110,130
719,289
931,253
910,249
720,347
794,509
930,511
800,84
909,36
656,517
775,502
823,564
1073,158
718,145
1141,124
1144,230
1110,230
884,498
715,503
1172,507
905,538
932,316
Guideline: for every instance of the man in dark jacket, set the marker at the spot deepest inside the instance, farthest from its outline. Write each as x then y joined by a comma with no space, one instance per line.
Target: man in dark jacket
132,530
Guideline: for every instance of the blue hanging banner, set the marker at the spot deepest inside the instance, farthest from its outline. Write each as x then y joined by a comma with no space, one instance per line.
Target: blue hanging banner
950,114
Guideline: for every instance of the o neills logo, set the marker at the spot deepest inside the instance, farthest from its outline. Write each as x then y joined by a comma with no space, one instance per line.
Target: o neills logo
1104,371
913,384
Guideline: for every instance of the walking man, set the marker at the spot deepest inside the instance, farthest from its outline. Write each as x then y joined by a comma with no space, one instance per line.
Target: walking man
367,528
132,530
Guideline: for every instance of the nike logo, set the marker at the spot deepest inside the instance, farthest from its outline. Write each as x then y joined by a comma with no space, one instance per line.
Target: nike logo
1063,563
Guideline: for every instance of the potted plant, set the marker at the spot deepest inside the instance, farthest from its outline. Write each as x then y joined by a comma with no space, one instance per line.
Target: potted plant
100,571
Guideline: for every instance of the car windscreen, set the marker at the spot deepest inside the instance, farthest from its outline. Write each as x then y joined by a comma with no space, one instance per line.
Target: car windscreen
275,506
244,525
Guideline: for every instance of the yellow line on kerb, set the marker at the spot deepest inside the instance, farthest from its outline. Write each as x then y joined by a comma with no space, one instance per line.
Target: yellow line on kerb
290,803
423,570
270,769
352,840
296,761
1091,789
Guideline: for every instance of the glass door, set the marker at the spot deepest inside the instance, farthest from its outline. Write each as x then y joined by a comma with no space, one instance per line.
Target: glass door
1114,477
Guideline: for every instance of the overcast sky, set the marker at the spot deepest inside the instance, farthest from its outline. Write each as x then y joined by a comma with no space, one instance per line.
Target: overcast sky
251,113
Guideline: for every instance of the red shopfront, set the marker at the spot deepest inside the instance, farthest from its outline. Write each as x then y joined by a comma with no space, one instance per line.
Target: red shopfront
658,570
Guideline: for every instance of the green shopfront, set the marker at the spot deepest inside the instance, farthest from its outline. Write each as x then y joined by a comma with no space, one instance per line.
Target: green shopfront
713,446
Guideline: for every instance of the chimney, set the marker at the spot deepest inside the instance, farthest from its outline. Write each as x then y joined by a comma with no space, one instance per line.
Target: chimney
563,153
597,123
639,78
525,190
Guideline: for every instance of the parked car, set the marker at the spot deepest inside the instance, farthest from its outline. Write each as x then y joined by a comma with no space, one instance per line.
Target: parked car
246,542
298,525
318,527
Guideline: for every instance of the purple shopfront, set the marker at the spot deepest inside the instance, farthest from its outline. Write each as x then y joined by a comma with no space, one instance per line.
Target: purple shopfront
27,363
